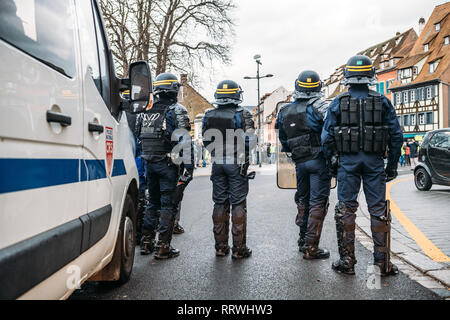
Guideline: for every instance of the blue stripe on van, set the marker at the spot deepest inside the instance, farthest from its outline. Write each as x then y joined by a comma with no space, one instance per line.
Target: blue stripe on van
118,168
25,174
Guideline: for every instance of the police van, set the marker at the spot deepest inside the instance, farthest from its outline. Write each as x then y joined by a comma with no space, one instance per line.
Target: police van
68,178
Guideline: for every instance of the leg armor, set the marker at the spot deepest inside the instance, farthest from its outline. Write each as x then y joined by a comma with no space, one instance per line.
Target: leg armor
165,236
315,224
345,229
221,222
381,235
301,220
239,231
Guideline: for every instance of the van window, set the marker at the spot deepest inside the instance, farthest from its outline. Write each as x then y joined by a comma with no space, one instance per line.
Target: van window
44,29
89,54
103,54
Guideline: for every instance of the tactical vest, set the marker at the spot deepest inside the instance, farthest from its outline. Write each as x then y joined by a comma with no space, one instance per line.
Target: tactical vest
222,119
361,125
155,140
303,142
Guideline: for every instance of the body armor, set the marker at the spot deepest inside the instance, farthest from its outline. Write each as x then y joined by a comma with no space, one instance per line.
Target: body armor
302,141
222,119
155,140
361,127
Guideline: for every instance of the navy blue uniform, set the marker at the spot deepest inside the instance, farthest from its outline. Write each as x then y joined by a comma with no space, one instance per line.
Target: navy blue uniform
313,181
365,166
161,174
230,185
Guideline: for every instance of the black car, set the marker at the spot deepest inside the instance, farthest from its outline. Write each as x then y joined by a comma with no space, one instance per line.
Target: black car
434,160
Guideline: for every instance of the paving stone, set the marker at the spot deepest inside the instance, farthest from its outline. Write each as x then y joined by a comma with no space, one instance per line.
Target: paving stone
431,284
421,262
444,293
397,247
441,275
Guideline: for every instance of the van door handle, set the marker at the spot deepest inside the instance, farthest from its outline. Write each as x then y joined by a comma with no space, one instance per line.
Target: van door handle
95,127
63,119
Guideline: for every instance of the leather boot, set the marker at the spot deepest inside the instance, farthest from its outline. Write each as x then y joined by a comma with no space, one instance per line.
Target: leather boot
148,242
177,229
392,270
239,231
166,251
221,222
315,223
301,220
345,229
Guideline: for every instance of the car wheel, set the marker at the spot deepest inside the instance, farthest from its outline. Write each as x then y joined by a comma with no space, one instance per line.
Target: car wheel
422,180
127,240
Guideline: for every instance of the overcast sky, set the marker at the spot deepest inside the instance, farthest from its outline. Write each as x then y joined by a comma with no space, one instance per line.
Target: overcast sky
294,35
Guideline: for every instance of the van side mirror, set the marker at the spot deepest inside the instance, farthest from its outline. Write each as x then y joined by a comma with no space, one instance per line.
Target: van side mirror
141,87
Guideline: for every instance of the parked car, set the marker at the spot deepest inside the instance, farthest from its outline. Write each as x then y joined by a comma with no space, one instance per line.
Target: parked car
68,177
434,160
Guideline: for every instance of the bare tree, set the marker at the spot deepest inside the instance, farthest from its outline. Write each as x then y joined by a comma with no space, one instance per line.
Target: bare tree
169,34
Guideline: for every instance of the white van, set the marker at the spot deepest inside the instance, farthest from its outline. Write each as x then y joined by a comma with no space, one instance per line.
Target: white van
68,178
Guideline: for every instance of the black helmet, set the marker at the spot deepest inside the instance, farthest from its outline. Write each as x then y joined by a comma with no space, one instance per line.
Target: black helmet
308,85
359,69
165,83
228,92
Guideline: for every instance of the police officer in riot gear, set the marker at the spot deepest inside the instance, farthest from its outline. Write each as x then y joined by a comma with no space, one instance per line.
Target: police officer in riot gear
300,125
360,128
230,164
155,129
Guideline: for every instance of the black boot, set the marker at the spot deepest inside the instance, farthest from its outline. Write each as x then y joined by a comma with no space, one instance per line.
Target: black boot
222,250
345,265
241,252
301,220
302,242
313,252
177,229
345,229
317,214
392,270
166,251
148,244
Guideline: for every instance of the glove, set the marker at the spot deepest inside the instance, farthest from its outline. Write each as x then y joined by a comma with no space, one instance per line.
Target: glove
333,165
391,174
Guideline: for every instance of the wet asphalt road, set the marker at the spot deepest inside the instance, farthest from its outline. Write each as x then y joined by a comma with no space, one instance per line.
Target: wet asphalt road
275,271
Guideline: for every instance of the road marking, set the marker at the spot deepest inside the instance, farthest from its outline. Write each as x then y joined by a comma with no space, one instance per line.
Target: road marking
424,243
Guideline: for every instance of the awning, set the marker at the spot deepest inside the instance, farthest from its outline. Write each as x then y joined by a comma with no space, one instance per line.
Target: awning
416,136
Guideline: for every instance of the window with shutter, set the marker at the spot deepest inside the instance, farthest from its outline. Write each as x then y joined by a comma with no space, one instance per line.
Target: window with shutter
433,91
405,96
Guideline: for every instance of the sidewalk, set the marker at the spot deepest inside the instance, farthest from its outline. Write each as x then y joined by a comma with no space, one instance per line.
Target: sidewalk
404,248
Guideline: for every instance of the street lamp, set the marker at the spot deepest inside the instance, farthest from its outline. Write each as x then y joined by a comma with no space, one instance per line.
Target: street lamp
257,58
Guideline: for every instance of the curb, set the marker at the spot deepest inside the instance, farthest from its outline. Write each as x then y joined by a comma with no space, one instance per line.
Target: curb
412,263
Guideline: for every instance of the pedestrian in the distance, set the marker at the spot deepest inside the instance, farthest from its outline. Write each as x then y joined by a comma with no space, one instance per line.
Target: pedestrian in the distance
407,153
414,154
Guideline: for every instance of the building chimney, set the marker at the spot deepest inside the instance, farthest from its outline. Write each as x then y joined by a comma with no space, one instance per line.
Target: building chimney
183,78
421,25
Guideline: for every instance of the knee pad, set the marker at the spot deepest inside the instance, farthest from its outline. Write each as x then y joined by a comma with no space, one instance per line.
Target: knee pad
221,213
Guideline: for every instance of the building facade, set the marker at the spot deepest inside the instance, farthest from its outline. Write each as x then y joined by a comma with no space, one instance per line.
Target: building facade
421,90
